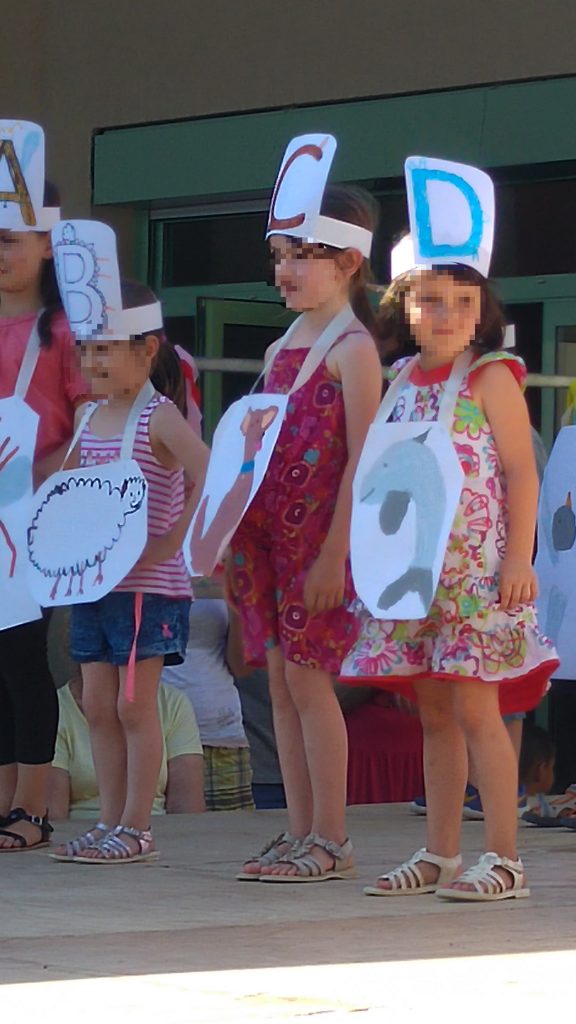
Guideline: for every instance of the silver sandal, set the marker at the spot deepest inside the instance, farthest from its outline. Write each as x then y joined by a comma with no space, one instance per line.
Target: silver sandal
309,868
268,855
75,847
489,886
408,880
114,850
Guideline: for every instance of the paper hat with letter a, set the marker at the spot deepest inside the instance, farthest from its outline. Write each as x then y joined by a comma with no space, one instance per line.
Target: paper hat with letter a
22,179
86,264
451,211
298,195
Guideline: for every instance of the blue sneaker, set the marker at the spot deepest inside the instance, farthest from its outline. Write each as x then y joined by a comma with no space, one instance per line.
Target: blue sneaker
472,809
418,805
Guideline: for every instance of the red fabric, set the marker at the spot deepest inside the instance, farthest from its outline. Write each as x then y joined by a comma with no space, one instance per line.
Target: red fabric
385,755
516,694
56,386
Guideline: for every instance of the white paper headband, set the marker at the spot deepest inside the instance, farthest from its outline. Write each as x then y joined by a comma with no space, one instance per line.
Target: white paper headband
298,194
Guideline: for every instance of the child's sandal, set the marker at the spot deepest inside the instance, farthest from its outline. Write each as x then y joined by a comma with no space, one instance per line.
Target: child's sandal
269,854
488,884
21,844
408,880
112,849
74,848
309,869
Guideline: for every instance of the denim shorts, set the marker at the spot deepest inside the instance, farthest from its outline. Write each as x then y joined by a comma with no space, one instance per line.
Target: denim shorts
104,630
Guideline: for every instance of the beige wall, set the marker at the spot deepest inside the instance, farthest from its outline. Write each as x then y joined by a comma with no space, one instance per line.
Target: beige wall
78,65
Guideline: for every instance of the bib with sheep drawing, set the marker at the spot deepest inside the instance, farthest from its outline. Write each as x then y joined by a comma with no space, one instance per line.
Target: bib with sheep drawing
242,447
406,492
90,524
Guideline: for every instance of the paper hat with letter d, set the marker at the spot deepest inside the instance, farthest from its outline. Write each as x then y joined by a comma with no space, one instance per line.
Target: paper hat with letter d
86,264
298,195
451,211
22,178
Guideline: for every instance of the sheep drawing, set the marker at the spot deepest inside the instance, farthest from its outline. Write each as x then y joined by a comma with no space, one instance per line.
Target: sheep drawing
98,510
409,471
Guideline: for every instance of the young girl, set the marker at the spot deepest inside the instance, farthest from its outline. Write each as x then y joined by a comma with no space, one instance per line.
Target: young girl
479,650
28,704
290,572
125,734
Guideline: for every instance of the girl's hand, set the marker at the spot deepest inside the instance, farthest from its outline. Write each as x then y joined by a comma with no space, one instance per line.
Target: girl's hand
518,583
325,584
230,595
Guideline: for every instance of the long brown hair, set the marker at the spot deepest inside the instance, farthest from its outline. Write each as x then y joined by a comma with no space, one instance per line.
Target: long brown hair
49,291
166,375
354,205
394,326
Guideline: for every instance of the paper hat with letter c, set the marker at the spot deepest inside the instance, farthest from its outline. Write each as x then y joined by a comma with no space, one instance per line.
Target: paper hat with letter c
451,209
298,195
22,178
86,262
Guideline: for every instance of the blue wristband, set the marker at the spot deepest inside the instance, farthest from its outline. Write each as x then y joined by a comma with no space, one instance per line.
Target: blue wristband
247,467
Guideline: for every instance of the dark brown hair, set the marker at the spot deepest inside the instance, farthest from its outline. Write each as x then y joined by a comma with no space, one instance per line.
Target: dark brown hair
394,326
355,206
166,375
49,291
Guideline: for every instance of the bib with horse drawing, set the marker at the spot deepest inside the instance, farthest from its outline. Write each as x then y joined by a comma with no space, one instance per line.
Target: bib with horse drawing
242,447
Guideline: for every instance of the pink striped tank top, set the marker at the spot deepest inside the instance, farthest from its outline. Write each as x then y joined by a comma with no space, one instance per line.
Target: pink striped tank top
165,503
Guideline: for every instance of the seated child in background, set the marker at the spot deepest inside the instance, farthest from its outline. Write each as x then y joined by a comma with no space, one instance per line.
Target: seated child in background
537,760
73,789
213,658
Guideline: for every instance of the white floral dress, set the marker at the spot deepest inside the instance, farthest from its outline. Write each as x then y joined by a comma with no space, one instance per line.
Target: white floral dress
466,635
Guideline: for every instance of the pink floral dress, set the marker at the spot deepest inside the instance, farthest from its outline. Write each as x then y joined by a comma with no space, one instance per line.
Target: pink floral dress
283,530
466,635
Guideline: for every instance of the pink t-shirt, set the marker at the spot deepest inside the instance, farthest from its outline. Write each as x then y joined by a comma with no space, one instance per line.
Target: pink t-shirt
57,385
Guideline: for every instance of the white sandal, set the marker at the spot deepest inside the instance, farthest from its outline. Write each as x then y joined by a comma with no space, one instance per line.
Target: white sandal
408,880
489,886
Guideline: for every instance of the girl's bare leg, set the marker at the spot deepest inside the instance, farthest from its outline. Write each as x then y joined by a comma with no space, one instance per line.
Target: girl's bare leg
445,771
31,793
100,684
326,752
291,753
477,709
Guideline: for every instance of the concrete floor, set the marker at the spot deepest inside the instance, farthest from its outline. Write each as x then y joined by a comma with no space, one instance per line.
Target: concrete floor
182,941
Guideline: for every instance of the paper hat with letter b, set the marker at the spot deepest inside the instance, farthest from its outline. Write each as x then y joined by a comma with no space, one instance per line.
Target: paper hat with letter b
451,210
22,178
86,264
298,195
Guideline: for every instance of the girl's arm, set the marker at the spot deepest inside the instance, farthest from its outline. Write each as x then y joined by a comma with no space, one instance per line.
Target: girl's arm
54,462
360,371
58,794
498,394
185,786
235,647
175,444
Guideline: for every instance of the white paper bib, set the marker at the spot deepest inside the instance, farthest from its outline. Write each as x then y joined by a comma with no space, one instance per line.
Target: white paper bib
18,431
241,451
556,559
90,524
405,495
